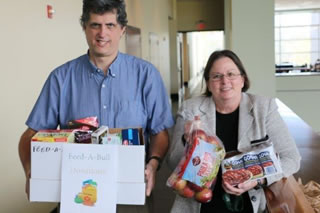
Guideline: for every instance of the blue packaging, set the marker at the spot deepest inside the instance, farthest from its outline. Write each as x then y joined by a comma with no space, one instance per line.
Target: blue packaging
130,137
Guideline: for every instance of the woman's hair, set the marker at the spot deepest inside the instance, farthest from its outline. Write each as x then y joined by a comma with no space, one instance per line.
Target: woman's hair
103,6
220,54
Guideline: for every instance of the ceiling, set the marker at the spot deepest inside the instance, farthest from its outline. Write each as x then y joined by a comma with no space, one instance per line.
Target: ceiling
296,4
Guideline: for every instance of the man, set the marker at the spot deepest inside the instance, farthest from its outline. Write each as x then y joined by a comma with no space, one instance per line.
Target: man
121,90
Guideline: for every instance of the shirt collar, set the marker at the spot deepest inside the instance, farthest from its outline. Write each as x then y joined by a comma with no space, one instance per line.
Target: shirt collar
113,69
115,66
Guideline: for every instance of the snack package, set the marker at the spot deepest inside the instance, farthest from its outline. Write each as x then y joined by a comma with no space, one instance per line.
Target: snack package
197,170
89,123
130,137
96,136
112,139
55,135
256,164
82,136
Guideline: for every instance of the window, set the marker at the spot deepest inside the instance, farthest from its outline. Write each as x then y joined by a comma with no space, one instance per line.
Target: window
297,37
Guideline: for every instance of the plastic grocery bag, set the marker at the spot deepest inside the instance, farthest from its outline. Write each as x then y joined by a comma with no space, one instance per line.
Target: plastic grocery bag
197,170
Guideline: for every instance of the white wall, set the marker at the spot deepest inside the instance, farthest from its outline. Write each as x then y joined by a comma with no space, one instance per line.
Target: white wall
302,95
151,16
31,46
250,34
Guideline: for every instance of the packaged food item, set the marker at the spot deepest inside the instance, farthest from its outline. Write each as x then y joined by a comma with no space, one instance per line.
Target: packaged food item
251,163
112,139
82,136
256,164
96,136
197,170
130,137
267,163
88,123
64,135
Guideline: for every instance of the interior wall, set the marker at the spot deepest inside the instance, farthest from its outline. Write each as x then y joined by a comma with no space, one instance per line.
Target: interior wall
251,36
190,12
151,16
175,72
306,89
32,46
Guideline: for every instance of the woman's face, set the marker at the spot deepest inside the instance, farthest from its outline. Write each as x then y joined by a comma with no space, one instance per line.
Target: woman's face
225,82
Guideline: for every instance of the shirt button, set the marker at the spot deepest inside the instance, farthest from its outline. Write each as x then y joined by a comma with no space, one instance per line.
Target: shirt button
104,107
253,198
103,85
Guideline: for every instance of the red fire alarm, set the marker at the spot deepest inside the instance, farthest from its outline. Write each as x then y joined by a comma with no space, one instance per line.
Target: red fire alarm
201,25
50,11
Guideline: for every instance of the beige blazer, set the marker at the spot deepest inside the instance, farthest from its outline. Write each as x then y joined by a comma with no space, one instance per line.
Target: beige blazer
258,117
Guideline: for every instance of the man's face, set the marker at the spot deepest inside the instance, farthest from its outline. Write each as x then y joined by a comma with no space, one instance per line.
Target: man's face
103,34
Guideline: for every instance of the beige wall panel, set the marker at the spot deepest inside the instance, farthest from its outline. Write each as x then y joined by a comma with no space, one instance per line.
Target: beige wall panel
190,12
151,16
301,94
32,46
252,38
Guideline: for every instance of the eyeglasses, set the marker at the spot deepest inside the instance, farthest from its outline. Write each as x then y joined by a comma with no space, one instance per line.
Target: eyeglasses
229,76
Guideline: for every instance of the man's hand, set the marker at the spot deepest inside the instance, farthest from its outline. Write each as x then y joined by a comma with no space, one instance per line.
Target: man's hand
27,187
25,155
158,147
150,174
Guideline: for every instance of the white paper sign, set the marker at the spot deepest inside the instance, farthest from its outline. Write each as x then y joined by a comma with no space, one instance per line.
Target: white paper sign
88,178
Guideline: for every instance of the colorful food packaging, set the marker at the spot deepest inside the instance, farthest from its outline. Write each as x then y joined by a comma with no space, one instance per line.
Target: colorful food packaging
64,135
112,139
96,137
251,163
197,170
89,123
256,164
82,136
130,136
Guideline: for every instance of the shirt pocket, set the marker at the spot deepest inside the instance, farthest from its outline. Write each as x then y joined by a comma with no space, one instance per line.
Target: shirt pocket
130,114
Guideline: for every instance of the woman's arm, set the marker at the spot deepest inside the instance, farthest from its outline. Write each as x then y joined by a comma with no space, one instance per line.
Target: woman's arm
283,143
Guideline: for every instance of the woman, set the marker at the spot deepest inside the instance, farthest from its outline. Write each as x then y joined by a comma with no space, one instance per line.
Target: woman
237,118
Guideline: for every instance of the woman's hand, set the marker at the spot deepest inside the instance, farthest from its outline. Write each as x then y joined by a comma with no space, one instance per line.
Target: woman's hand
240,188
187,128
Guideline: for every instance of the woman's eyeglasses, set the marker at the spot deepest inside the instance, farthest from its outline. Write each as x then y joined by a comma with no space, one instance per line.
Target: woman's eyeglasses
229,76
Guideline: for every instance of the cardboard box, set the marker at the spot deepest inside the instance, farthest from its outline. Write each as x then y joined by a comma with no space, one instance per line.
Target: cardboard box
46,172
50,191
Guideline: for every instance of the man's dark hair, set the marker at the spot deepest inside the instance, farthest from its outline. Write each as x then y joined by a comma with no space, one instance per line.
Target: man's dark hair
103,6
220,54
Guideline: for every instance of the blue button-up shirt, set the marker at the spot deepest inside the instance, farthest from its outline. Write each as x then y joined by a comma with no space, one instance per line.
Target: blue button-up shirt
132,94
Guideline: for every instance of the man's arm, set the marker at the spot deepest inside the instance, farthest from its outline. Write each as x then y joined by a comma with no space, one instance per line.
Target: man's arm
24,153
158,147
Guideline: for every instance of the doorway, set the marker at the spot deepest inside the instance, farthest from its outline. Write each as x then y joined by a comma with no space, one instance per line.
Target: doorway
194,49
